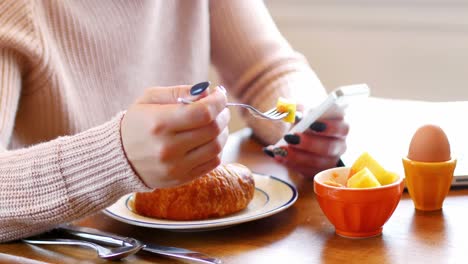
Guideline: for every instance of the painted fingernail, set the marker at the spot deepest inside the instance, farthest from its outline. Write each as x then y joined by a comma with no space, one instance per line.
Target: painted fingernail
268,152
340,163
298,117
280,152
292,139
318,126
199,88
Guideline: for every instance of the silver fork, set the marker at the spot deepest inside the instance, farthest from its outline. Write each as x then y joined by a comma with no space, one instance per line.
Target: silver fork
103,252
110,239
272,114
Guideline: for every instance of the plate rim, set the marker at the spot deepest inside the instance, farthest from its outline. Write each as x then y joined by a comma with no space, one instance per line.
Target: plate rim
225,223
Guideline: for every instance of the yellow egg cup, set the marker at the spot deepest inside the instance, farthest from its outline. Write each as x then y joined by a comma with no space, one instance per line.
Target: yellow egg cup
428,183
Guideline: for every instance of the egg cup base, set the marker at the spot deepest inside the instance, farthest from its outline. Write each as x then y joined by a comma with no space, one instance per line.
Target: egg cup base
350,234
428,209
428,183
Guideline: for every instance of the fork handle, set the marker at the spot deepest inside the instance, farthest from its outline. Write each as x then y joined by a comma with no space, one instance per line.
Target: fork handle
56,241
116,240
96,235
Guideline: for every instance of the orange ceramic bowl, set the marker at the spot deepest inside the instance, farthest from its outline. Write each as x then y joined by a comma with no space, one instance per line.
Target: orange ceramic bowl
356,212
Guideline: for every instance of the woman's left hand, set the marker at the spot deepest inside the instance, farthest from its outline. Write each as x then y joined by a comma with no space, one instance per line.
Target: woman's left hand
314,150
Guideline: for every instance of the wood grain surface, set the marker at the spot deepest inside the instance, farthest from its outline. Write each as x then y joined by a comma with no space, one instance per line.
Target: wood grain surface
300,234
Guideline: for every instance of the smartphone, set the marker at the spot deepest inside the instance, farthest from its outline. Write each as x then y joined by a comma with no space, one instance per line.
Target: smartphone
332,107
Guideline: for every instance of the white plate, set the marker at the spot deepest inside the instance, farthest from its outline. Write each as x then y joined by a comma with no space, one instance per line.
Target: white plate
272,195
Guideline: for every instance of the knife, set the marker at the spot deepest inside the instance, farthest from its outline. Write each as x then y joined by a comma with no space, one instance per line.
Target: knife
110,239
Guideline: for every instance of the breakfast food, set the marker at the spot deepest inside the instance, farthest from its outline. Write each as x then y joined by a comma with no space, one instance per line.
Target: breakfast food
367,161
429,144
285,105
365,172
363,179
223,191
429,168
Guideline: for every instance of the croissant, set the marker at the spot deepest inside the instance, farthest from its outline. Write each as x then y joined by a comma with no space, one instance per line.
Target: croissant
223,191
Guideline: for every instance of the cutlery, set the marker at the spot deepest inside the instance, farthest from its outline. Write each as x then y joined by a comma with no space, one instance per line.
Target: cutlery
103,252
116,240
272,114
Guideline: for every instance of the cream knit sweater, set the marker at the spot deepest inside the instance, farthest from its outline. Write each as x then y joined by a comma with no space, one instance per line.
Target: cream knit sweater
69,68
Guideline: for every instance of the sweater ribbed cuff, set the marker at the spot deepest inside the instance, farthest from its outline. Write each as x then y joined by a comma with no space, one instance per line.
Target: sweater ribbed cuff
95,168
63,180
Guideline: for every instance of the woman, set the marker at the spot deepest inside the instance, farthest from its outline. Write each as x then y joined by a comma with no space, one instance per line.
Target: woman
68,69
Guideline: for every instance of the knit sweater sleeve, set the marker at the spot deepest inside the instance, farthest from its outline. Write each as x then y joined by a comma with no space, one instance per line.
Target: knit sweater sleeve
60,180
257,64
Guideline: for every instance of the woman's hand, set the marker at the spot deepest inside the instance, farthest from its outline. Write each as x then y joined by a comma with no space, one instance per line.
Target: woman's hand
318,148
168,143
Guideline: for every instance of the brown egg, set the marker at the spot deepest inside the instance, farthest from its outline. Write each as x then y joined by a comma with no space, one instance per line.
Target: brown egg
429,144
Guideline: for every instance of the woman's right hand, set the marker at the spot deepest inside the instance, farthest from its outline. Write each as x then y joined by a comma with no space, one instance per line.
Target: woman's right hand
168,143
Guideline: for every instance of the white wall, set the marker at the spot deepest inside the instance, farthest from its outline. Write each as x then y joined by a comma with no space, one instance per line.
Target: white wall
407,49
412,49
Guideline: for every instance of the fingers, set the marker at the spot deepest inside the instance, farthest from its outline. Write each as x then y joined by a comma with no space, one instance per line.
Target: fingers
209,150
306,163
181,117
319,148
204,168
181,176
326,137
198,170
330,128
297,157
320,145
203,111
169,143
193,138
164,95
179,144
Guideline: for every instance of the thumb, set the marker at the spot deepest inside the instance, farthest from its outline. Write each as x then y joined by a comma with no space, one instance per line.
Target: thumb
164,95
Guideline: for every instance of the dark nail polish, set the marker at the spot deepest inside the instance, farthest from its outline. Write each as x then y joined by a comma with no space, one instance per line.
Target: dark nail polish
340,163
318,126
280,152
292,139
298,117
199,88
268,152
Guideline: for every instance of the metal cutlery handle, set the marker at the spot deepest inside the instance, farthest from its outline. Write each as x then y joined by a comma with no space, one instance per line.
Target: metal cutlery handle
95,235
272,114
116,240
181,253
56,241
103,252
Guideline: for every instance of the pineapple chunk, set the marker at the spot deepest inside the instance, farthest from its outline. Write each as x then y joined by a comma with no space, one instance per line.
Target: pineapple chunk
367,161
363,179
389,177
285,105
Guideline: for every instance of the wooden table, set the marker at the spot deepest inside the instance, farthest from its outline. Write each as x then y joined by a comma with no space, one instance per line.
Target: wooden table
300,234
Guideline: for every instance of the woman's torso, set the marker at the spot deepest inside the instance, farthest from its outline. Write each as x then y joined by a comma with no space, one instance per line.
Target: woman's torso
96,57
